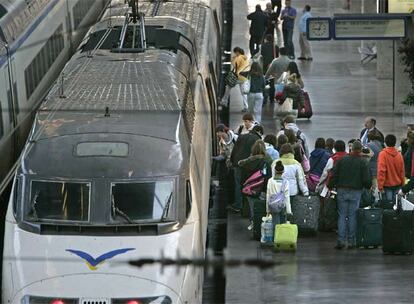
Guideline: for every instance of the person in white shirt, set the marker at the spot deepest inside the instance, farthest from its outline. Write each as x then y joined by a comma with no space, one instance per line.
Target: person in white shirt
274,186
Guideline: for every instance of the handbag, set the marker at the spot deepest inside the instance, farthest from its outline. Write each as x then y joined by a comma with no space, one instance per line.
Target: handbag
277,201
285,107
279,87
254,185
312,181
232,79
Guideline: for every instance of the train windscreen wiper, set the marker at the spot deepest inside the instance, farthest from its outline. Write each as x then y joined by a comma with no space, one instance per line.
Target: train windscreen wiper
117,211
167,207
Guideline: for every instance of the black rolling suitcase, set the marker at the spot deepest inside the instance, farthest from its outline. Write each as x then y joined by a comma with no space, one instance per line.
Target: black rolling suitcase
259,211
305,211
398,231
328,217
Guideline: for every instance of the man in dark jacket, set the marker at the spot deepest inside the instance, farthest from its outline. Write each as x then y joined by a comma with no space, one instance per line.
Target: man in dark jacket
242,150
369,124
350,176
257,29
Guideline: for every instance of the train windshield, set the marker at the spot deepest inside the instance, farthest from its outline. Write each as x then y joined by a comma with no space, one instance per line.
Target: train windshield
141,201
59,201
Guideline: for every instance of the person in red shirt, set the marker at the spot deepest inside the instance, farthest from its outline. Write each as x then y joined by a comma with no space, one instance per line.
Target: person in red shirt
390,173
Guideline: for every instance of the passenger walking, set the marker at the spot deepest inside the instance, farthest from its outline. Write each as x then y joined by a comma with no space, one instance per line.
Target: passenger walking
349,176
339,153
289,123
288,17
269,51
293,90
258,160
369,125
375,145
404,143
293,172
278,184
318,159
409,161
272,20
281,140
278,4
278,65
248,124
329,145
391,174
255,96
305,48
294,142
409,153
241,150
240,63
270,141
291,69
257,29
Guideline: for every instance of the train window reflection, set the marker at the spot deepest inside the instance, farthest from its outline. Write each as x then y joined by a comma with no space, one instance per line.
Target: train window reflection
141,201
117,149
61,201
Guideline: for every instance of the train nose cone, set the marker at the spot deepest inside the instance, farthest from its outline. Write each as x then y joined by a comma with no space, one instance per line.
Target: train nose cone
102,286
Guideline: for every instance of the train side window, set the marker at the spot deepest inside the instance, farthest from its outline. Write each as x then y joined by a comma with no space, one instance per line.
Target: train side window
1,122
16,196
213,111
188,199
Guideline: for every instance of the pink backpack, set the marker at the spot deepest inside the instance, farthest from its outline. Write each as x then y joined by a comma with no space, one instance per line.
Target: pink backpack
254,185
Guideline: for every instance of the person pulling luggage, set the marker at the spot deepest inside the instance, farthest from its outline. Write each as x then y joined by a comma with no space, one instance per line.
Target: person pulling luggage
278,196
349,176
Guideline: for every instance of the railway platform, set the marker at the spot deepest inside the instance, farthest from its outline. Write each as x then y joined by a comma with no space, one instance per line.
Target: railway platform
343,92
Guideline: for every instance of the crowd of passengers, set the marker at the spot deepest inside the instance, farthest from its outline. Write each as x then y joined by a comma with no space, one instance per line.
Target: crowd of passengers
370,162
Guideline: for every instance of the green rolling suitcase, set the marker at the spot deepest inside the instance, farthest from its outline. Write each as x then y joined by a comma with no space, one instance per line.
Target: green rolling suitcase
286,237
369,227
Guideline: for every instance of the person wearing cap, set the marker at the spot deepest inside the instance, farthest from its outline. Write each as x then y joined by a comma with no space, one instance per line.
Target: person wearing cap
350,176
274,186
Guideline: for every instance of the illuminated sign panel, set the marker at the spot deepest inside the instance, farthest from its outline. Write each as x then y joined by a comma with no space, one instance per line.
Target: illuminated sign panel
369,28
400,6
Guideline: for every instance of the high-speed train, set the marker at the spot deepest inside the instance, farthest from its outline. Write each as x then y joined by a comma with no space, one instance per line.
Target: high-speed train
37,38
117,164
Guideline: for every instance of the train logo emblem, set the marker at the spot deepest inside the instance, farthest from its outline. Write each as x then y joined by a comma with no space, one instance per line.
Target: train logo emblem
92,262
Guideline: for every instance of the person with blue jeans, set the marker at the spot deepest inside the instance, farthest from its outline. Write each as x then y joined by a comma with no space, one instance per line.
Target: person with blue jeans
288,17
349,175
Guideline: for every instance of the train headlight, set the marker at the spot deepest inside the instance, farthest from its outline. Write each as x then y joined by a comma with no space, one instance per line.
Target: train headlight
152,300
44,300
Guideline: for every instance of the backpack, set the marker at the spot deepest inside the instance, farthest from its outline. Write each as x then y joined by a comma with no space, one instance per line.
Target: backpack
256,183
277,201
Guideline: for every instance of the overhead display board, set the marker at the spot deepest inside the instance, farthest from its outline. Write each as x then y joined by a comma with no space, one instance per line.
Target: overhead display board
319,28
369,27
401,6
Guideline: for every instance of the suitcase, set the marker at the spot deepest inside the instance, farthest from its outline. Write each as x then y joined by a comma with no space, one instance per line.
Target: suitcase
308,107
259,211
369,227
367,198
286,236
328,216
397,231
305,211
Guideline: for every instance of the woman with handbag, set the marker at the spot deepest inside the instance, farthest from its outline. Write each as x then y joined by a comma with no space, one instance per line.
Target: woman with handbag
258,161
239,63
318,159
